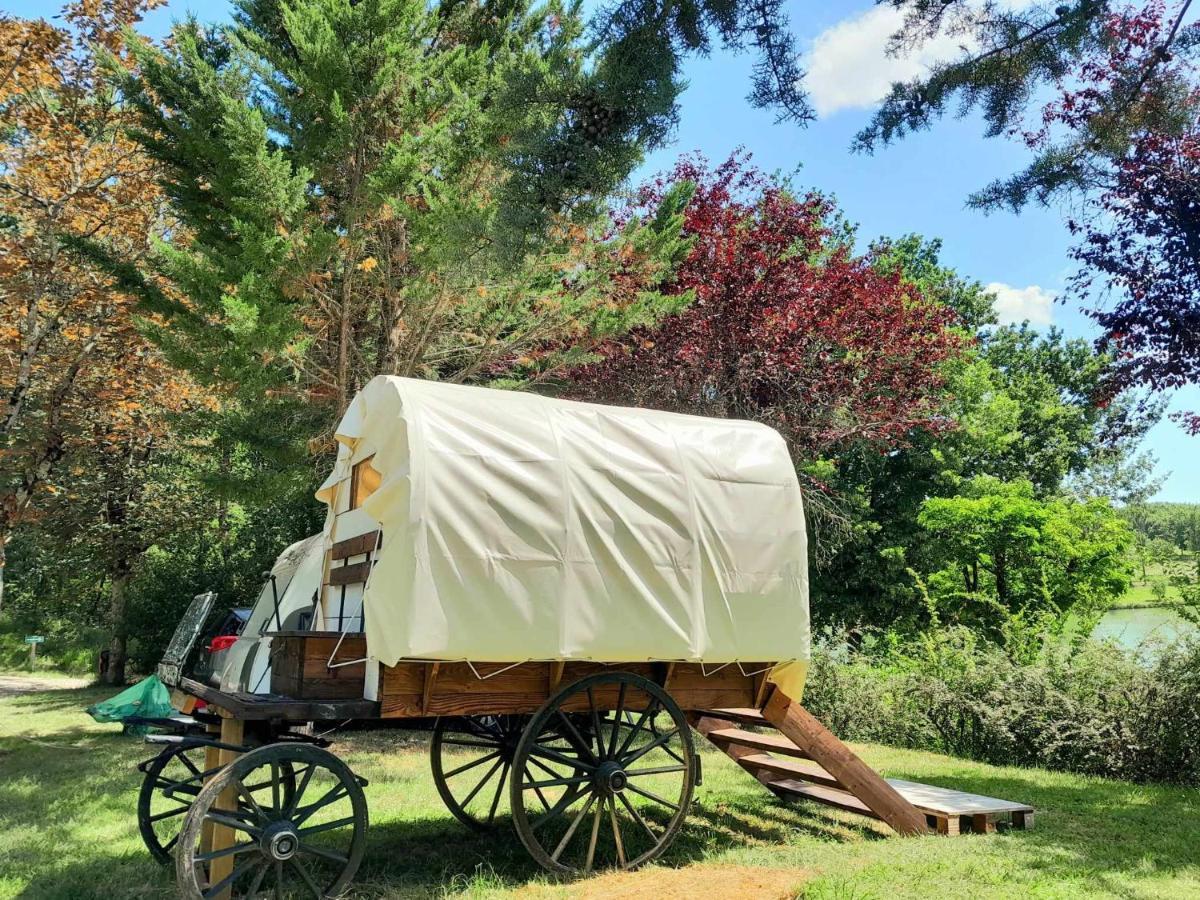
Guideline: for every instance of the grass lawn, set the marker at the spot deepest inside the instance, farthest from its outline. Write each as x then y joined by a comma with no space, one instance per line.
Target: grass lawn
1141,590
68,830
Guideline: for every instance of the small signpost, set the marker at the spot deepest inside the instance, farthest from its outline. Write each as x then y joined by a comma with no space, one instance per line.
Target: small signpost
33,640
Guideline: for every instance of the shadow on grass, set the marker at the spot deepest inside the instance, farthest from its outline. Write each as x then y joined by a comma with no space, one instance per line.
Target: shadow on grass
1090,833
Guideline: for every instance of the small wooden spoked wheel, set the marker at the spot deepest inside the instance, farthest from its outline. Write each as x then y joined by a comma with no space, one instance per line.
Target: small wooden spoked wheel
172,781
245,837
603,775
471,758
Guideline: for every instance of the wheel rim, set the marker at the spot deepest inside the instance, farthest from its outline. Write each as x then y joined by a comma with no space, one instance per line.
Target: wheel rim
307,842
173,779
471,758
603,775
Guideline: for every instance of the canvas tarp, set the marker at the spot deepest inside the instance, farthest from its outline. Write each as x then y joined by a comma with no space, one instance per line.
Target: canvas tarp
518,527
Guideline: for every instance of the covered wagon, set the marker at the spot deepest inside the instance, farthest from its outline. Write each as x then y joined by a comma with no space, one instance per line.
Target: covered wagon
560,592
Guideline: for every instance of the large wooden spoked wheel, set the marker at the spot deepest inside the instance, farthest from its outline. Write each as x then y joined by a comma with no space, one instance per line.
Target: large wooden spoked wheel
244,837
173,779
603,775
471,758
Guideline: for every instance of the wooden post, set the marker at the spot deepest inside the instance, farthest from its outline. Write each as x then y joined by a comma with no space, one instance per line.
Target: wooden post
222,835
798,724
212,759
431,671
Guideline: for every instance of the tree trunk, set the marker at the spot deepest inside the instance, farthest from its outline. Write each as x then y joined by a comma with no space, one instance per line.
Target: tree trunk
118,625
1000,566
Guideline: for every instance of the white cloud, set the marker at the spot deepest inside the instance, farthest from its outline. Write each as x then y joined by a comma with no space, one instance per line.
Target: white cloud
1015,305
848,66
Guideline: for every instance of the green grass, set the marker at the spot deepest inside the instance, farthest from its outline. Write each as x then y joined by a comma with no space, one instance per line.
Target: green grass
1141,590
67,830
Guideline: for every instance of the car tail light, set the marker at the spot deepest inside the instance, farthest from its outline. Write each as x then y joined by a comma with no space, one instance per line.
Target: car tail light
224,642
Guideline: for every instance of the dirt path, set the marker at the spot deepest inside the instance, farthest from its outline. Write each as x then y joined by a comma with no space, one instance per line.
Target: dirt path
11,685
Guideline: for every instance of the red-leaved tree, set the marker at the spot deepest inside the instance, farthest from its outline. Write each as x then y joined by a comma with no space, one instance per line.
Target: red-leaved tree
787,327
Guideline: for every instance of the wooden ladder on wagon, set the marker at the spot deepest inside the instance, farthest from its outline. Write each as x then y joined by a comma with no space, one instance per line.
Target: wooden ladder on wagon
803,760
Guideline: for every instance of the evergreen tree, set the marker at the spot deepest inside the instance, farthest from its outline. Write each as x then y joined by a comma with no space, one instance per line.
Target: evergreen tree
394,187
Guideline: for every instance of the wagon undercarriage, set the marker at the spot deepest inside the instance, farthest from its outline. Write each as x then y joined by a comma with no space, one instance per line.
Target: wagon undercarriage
600,775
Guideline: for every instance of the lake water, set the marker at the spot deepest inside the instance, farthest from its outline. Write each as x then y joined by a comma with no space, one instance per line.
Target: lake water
1131,628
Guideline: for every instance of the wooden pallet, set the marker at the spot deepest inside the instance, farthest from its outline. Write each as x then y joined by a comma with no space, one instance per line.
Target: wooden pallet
806,762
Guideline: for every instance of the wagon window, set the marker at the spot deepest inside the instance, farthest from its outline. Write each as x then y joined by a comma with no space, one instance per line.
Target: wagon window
364,481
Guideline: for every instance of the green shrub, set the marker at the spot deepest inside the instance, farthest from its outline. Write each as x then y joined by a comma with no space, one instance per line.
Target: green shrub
1080,706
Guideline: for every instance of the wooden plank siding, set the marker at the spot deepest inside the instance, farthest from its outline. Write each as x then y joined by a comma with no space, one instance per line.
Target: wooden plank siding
405,690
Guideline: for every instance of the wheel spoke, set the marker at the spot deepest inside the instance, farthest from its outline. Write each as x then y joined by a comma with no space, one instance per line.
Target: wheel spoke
279,879
323,853
258,879
475,790
308,879
650,710
574,737
652,796
228,851
566,838
660,770
564,803
556,782
547,753
333,795
476,762
171,813
300,789
596,724
642,751
616,727
326,826
217,889
222,817
183,758
595,835
499,790
275,799
262,816
638,817
612,815
533,760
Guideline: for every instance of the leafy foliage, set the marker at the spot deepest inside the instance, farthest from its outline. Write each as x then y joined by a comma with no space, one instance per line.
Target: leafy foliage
1089,708
1004,552
390,187
1118,132
788,326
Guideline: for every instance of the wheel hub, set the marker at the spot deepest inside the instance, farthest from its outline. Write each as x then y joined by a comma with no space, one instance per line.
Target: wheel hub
280,841
611,778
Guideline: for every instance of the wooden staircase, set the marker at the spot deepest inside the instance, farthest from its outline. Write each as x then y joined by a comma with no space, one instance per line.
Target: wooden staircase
803,760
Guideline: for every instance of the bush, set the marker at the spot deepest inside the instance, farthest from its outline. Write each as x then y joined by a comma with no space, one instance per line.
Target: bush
65,656
1081,706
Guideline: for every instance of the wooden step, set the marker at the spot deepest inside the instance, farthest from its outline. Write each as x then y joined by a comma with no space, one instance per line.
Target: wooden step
746,715
790,768
775,743
839,799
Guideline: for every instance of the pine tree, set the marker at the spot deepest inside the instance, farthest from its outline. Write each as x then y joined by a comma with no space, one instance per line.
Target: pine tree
392,187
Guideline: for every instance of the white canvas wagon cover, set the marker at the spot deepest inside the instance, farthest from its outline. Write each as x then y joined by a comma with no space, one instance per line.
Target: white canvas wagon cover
519,527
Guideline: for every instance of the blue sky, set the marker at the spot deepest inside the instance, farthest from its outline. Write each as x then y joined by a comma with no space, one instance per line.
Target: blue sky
919,185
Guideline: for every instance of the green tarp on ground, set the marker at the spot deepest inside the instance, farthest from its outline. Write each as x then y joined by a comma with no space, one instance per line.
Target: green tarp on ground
148,698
